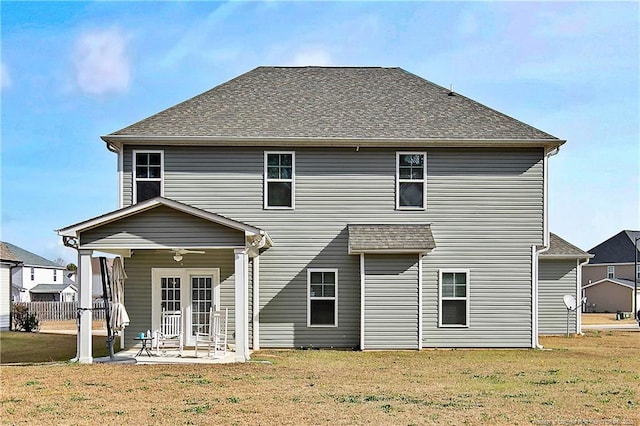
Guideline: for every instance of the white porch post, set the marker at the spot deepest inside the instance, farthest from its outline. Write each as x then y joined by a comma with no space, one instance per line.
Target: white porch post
241,309
86,315
256,303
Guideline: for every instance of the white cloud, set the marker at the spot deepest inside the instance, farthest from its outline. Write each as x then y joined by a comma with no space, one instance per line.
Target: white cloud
312,56
101,62
5,77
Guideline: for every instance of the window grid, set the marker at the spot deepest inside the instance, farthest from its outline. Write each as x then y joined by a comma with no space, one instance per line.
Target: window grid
201,301
147,174
410,180
322,304
170,293
279,172
454,298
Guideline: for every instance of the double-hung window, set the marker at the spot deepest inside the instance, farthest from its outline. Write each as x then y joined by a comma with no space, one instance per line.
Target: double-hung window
454,297
148,173
322,303
55,275
611,271
411,180
33,273
279,180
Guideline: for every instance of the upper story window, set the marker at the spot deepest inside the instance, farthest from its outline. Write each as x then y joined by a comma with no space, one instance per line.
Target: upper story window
410,180
33,274
148,173
454,298
55,275
322,303
611,271
638,272
279,180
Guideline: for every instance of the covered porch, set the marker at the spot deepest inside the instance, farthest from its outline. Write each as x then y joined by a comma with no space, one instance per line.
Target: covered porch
179,258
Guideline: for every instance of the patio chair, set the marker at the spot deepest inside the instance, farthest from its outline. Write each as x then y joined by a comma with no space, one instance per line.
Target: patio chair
215,337
170,332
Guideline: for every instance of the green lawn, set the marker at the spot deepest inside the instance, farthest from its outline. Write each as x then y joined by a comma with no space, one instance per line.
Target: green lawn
20,347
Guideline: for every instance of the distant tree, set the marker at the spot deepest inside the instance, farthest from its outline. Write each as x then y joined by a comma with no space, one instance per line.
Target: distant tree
60,261
72,267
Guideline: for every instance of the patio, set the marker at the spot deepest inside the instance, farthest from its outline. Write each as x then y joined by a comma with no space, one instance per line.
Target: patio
173,357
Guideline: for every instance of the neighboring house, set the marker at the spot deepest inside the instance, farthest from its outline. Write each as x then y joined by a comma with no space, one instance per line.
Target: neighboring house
65,292
33,271
608,278
329,207
559,274
8,261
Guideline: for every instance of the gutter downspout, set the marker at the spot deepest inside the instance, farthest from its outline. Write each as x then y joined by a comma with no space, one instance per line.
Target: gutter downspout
536,251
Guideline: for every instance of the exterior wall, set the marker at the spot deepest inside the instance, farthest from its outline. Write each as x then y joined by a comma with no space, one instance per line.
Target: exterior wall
593,273
142,231
137,288
485,207
609,297
391,302
5,295
556,278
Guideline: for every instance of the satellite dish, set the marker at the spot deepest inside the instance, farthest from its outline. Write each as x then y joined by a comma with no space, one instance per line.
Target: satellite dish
569,302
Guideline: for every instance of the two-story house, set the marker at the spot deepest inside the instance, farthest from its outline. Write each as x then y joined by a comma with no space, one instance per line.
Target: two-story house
38,279
608,278
329,207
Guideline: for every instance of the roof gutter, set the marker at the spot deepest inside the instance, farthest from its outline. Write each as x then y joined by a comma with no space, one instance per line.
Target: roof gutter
115,142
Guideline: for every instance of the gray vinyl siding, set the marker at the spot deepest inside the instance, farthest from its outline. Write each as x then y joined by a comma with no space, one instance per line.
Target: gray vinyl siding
391,302
555,279
137,287
162,227
484,206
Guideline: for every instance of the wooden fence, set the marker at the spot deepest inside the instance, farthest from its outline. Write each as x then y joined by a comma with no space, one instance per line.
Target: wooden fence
62,311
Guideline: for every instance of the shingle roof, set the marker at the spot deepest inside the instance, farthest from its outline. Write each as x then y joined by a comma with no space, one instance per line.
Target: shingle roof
51,288
30,259
617,249
562,248
333,102
619,281
390,238
7,254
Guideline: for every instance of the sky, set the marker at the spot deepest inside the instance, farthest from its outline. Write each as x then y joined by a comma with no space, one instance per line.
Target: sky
73,71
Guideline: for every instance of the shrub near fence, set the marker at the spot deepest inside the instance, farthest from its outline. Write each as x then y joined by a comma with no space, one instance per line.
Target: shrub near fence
62,311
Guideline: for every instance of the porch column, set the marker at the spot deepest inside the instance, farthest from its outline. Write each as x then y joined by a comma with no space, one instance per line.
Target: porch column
241,258
84,353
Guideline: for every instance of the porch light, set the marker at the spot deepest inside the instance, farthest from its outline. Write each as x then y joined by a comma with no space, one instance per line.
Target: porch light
177,257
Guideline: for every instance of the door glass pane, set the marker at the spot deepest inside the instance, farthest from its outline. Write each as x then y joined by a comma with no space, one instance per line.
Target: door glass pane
201,301
170,293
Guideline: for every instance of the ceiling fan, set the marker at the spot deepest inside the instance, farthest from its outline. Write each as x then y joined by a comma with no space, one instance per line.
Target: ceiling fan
179,252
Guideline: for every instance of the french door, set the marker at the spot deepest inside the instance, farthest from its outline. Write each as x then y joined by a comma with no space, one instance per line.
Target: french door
190,291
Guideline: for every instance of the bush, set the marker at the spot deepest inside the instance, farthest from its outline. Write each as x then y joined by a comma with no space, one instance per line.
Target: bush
23,319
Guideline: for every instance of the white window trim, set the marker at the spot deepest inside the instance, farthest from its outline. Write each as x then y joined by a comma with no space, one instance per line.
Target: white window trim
134,179
424,181
292,180
611,270
335,319
440,298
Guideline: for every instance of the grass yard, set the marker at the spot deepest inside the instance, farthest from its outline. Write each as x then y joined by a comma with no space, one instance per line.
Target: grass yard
604,319
594,379
19,347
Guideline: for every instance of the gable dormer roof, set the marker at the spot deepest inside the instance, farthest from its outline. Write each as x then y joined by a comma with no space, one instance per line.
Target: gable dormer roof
339,104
